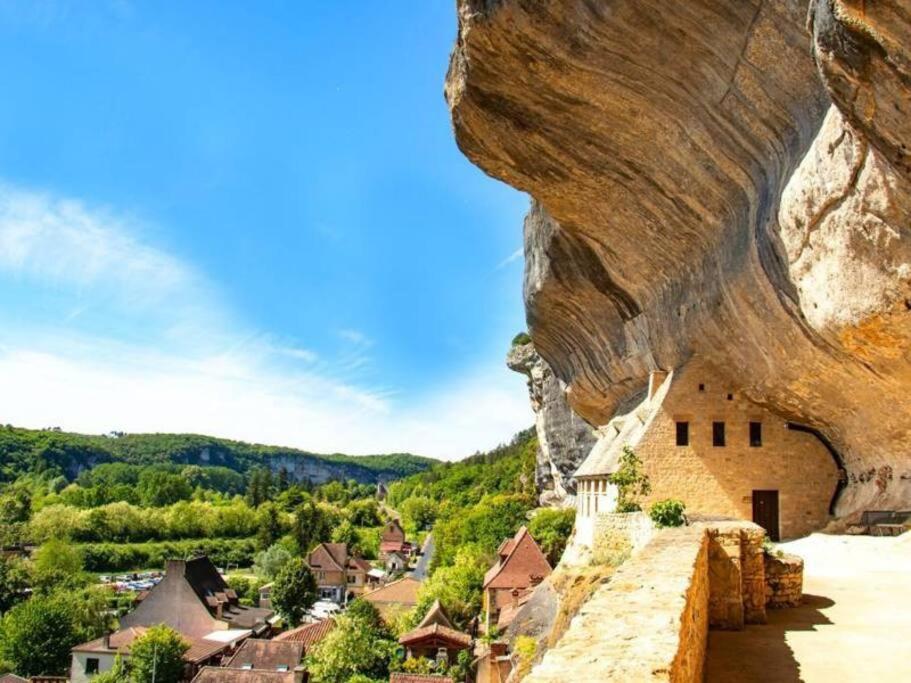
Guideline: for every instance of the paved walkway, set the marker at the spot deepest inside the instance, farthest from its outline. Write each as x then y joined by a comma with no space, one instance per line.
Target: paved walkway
855,624
422,568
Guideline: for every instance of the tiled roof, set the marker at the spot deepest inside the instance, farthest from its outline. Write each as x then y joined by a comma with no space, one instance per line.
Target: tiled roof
202,649
523,562
217,674
119,641
359,563
271,655
400,677
456,638
393,532
392,547
329,556
435,615
308,634
510,607
631,422
404,591
12,678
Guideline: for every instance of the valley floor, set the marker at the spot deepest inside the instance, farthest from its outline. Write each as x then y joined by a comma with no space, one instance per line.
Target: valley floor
853,625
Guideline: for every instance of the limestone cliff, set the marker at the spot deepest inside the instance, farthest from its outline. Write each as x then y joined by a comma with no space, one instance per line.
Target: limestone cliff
564,439
722,179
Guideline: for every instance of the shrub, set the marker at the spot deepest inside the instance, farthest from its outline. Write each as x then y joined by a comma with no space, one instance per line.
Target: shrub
668,512
630,481
521,338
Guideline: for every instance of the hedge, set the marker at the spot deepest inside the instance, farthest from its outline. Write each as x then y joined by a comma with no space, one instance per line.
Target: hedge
113,557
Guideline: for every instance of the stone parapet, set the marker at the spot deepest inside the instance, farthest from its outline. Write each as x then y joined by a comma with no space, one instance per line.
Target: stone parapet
783,580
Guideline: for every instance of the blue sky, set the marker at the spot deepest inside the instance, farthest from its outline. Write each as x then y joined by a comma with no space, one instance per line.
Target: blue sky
250,220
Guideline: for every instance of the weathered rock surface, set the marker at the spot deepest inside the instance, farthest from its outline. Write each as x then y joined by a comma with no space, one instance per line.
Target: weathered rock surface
696,193
564,438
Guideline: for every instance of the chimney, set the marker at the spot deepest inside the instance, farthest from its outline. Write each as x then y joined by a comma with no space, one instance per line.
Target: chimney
106,641
535,579
515,596
300,674
655,380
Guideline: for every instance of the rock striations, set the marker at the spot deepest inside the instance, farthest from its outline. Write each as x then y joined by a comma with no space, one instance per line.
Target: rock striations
721,179
564,438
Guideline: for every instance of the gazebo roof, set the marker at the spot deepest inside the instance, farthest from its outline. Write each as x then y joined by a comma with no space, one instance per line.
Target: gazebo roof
436,635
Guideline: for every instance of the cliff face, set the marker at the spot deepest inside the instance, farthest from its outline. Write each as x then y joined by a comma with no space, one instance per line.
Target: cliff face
564,439
727,180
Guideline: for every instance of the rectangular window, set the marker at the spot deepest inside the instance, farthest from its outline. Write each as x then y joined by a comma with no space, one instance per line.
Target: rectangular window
755,434
683,433
91,665
718,434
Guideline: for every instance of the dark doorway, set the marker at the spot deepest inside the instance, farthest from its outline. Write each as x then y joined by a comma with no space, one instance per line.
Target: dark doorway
765,512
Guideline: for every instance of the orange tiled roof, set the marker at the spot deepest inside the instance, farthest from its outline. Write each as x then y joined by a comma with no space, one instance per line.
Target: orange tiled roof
456,638
520,560
401,677
308,634
404,591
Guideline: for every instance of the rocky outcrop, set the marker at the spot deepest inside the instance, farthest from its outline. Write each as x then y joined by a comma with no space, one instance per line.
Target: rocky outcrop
564,438
726,180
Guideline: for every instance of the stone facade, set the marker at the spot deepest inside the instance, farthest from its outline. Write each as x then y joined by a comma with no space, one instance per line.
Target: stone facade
783,581
712,478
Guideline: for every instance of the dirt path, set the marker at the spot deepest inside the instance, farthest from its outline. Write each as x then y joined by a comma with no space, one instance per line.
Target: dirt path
855,624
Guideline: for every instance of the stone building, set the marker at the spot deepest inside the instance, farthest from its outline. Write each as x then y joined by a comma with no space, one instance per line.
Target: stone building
339,575
718,452
194,600
521,565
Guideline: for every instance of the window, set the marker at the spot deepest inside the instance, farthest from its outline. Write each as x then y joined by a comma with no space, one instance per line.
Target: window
701,387
755,434
730,397
718,434
91,665
683,433
281,667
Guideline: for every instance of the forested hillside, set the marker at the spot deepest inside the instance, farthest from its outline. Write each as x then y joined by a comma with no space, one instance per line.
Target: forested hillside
54,453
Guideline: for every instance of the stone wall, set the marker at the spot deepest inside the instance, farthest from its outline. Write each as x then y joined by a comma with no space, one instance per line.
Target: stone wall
650,622
783,581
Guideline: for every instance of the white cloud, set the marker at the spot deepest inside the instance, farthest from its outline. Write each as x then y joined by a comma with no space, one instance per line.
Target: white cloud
202,371
139,391
514,256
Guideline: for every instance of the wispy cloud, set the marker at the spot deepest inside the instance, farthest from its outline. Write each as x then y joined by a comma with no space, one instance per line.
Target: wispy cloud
514,256
199,369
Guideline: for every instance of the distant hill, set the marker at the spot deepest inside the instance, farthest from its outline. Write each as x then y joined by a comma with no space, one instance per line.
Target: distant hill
26,450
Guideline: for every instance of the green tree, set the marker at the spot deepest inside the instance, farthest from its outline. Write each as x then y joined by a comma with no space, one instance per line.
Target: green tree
419,512
346,533
160,649
294,591
157,488
267,563
359,646
310,526
269,527
13,582
37,634
630,480
57,564
551,529
458,587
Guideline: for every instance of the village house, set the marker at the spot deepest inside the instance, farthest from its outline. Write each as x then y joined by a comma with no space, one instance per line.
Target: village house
195,601
393,543
339,576
520,567
259,660
435,638
97,656
721,454
395,598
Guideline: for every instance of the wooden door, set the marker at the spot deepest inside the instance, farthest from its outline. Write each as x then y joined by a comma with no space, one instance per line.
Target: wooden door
765,512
